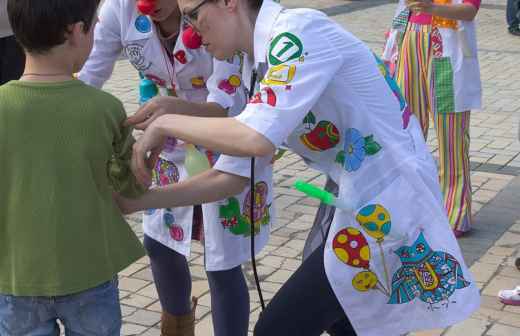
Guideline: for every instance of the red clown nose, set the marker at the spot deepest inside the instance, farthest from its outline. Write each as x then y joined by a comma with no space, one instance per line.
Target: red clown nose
191,39
146,7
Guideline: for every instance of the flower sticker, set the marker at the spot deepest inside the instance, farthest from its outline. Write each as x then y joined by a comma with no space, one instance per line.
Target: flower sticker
356,149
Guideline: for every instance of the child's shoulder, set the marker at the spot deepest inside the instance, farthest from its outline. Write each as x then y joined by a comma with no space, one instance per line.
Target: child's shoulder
106,102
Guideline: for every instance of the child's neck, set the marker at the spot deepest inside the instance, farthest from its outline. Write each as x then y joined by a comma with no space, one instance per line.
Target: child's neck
47,68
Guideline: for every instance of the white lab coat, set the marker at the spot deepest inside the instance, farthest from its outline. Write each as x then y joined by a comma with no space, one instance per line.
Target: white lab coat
393,262
456,48
194,75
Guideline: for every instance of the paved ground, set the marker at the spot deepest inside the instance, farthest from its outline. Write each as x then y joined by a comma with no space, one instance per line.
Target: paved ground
495,159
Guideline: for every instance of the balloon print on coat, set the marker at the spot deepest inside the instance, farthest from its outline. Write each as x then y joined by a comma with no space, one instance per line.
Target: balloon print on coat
351,248
176,232
431,275
239,222
165,173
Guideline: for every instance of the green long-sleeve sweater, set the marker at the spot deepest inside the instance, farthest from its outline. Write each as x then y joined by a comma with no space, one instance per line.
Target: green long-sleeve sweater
62,153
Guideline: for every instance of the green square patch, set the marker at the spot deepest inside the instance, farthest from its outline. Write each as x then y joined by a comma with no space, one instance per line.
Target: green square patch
443,81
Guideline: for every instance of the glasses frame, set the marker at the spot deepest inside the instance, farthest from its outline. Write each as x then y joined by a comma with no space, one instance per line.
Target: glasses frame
190,18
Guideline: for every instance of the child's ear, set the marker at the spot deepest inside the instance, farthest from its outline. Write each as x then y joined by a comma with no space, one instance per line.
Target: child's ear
231,5
74,35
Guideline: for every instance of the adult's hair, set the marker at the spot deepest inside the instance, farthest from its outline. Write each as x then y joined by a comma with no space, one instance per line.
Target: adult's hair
40,25
255,4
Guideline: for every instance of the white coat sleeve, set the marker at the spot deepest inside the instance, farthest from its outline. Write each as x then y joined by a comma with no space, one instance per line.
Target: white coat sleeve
302,62
225,84
107,46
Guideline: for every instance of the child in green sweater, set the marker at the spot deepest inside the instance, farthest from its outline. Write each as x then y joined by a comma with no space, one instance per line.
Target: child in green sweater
63,154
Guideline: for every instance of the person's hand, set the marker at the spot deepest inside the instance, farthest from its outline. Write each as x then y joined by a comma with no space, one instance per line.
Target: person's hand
152,110
423,6
126,205
146,152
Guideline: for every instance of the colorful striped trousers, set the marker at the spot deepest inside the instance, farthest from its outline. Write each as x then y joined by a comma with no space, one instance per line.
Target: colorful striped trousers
415,76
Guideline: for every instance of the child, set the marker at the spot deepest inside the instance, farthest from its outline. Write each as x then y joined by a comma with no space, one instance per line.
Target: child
63,240
433,46
170,53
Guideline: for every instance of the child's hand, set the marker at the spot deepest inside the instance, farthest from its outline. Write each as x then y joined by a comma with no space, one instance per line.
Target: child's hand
126,205
152,141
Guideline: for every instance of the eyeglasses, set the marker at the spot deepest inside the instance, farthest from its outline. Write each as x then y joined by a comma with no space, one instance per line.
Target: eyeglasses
191,17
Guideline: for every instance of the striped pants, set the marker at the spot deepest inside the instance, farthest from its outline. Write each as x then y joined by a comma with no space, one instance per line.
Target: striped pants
415,76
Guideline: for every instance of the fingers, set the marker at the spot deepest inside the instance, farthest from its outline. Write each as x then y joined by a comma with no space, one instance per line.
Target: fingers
146,112
139,166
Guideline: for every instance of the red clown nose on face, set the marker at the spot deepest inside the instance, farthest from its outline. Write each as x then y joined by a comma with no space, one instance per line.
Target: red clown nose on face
191,39
146,7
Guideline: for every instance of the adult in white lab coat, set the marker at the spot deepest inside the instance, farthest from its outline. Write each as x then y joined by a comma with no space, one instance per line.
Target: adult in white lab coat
390,262
170,53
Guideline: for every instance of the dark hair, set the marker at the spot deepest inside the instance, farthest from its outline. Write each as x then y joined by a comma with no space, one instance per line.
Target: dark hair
40,25
255,4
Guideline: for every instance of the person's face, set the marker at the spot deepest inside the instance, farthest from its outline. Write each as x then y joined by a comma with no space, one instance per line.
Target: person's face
216,22
162,9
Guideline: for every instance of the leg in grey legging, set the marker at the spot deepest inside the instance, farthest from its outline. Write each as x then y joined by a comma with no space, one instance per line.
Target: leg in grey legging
229,302
172,277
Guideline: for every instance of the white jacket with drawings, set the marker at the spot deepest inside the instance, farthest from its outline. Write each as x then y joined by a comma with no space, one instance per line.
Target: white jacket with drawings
193,74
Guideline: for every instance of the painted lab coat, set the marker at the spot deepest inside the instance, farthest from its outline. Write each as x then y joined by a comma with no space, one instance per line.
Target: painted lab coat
455,58
392,261
194,75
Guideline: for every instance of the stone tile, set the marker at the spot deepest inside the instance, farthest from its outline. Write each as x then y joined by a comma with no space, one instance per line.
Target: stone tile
149,291
498,283
468,327
483,272
502,330
205,326
132,284
132,329
138,301
280,276
144,317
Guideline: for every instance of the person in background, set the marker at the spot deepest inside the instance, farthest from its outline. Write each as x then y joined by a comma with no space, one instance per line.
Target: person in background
12,58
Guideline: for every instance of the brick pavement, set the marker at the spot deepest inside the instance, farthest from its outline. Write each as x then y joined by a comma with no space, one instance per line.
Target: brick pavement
495,159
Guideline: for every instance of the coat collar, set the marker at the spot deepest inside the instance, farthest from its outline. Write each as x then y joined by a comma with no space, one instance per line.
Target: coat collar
264,25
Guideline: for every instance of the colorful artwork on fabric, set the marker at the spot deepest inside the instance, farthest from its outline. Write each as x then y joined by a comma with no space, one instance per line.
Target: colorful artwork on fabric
356,148
180,56
351,247
149,212
198,82
176,232
165,173
260,208
385,72
433,276
135,54
157,80
280,75
324,136
436,39
443,85
170,145
265,96
143,24
375,220
239,223
230,85
401,20
284,48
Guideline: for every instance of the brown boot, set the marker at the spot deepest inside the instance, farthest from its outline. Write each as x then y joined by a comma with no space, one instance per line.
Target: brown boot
179,325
